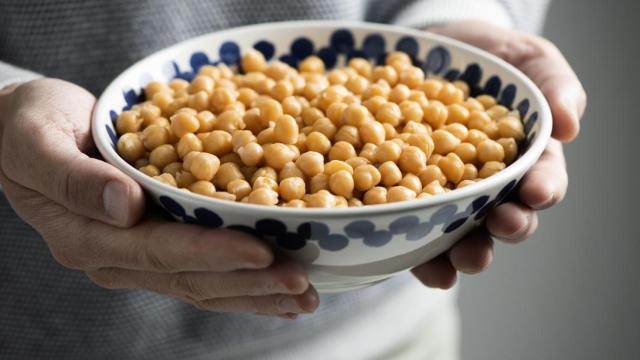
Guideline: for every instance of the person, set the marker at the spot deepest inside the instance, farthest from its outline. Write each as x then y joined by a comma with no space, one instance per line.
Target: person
61,205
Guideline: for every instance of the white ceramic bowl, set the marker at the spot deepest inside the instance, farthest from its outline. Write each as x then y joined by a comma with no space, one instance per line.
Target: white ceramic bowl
353,247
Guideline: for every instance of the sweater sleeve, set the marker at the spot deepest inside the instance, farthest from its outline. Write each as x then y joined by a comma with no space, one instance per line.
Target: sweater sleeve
10,74
525,15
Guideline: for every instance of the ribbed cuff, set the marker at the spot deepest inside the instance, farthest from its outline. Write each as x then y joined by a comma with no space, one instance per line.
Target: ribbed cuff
425,13
10,74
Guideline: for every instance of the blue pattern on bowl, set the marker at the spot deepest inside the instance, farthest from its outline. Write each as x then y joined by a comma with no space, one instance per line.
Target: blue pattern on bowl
342,44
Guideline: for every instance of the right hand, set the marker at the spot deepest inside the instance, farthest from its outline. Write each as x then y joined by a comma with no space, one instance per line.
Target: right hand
91,216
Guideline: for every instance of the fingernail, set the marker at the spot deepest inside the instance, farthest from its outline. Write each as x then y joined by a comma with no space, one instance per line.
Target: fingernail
290,305
545,203
114,201
571,105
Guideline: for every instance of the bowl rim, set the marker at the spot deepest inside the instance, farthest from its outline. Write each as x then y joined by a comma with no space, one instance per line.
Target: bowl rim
522,164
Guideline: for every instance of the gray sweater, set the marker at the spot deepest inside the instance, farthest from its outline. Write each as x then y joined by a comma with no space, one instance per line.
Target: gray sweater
47,311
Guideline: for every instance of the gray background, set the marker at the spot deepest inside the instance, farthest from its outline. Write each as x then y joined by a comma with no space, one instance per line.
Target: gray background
572,290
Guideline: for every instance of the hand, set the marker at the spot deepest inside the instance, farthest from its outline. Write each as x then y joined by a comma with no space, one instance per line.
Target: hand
546,183
90,215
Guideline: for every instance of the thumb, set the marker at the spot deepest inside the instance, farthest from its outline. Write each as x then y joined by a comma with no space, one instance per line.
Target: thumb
40,152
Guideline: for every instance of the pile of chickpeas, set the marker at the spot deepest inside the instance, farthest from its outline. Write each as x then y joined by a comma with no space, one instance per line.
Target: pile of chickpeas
353,136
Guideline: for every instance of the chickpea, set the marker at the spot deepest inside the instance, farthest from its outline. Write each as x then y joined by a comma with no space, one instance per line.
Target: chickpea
444,141
342,183
148,113
389,131
470,172
266,136
154,136
433,173
263,196
290,170
202,165
399,93
342,150
433,159
490,168
400,193
510,148
349,134
218,143
312,64
478,120
162,155
286,130
458,130
310,163
155,87
321,199
161,121
457,114
318,142
464,183
492,131
319,182
511,127
369,151
389,113
452,167
337,77
412,160
463,86
411,111
390,173
372,132
386,73
473,104
265,171
150,170
412,182
357,84
166,179
433,188
466,152
201,83
229,121
253,60
357,161
325,126
375,195
231,157
277,155
277,70
335,112
475,137
251,154
436,114
388,151
411,76
373,104
295,204
355,115
267,182
380,88
334,166
361,66
497,111
226,173
487,101
184,179
450,94
202,187
187,144
221,98
240,138
128,122
354,202
490,150
423,141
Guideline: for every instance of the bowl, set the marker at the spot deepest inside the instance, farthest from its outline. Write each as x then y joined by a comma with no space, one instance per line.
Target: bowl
341,248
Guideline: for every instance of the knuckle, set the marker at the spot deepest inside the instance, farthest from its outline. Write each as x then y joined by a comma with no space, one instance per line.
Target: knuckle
186,285
66,256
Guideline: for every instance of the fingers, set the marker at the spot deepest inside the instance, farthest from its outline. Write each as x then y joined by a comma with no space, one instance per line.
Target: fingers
271,304
152,245
41,150
537,58
437,273
473,253
512,222
284,277
547,181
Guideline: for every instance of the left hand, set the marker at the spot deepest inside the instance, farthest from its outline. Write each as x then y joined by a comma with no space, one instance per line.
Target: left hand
546,183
